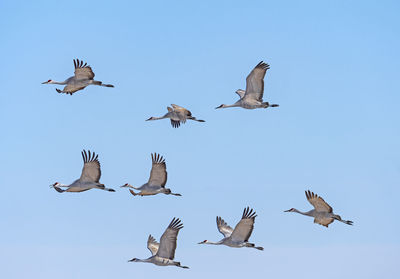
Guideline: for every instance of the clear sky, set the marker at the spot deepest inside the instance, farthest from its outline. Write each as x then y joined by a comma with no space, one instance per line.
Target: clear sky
334,72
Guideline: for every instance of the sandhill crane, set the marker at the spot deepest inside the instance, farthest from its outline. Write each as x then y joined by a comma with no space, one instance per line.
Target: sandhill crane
322,211
252,98
238,237
163,253
177,115
157,180
82,78
89,178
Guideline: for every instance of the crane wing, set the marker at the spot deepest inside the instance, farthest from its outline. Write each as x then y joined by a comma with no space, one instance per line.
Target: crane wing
255,82
158,174
91,167
82,71
152,244
178,108
168,240
182,113
72,88
323,221
318,202
240,92
244,228
223,227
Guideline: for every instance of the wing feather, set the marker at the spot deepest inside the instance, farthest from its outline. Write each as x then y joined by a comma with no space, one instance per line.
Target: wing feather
168,239
223,227
152,245
82,71
318,202
91,167
158,174
244,228
255,82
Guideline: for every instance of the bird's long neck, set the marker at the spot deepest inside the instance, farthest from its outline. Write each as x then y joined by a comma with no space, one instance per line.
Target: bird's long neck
231,106
213,243
308,213
158,118
58,82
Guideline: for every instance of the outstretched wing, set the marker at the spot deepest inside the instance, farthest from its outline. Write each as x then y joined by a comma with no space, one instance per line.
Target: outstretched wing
91,167
223,227
153,245
240,92
244,228
82,71
168,240
182,113
318,202
255,82
323,221
158,174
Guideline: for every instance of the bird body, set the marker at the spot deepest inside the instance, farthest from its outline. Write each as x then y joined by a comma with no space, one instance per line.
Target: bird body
238,237
89,178
322,212
157,179
82,78
252,97
177,115
163,253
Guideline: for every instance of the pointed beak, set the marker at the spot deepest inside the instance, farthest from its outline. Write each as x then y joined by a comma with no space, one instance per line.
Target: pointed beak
123,186
287,210
201,242
218,107
46,82
148,119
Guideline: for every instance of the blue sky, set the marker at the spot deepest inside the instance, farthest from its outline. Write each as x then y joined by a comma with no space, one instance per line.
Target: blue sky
334,72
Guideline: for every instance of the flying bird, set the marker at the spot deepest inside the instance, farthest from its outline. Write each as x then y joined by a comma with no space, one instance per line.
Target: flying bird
322,212
82,78
238,237
163,253
157,179
177,115
252,97
89,178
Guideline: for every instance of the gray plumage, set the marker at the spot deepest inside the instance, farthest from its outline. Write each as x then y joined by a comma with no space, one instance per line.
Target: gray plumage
177,115
252,97
163,253
322,212
82,78
239,236
157,179
90,176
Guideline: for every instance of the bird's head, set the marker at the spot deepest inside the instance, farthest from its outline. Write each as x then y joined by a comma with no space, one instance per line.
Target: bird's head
203,242
221,106
289,210
151,118
134,260
49,81
55,184
126,185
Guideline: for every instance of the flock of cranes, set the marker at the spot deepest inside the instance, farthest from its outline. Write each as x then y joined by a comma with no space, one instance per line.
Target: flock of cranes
163,253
